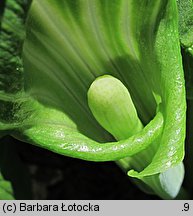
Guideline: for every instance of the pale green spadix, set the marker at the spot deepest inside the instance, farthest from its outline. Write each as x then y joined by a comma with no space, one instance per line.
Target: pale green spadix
112,106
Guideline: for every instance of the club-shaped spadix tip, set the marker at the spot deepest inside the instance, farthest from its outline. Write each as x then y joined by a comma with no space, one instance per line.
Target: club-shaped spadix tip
112,106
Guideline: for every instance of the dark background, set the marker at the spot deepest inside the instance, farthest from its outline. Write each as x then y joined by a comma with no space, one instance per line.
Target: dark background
38,174
59,177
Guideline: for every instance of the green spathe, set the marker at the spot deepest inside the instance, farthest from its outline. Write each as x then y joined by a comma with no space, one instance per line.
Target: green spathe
71,43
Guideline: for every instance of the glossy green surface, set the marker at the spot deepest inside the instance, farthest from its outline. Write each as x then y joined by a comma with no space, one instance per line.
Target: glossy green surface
71,43
80,41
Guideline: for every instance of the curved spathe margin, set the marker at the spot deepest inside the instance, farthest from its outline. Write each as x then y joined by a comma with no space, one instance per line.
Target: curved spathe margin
167,47
67,141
